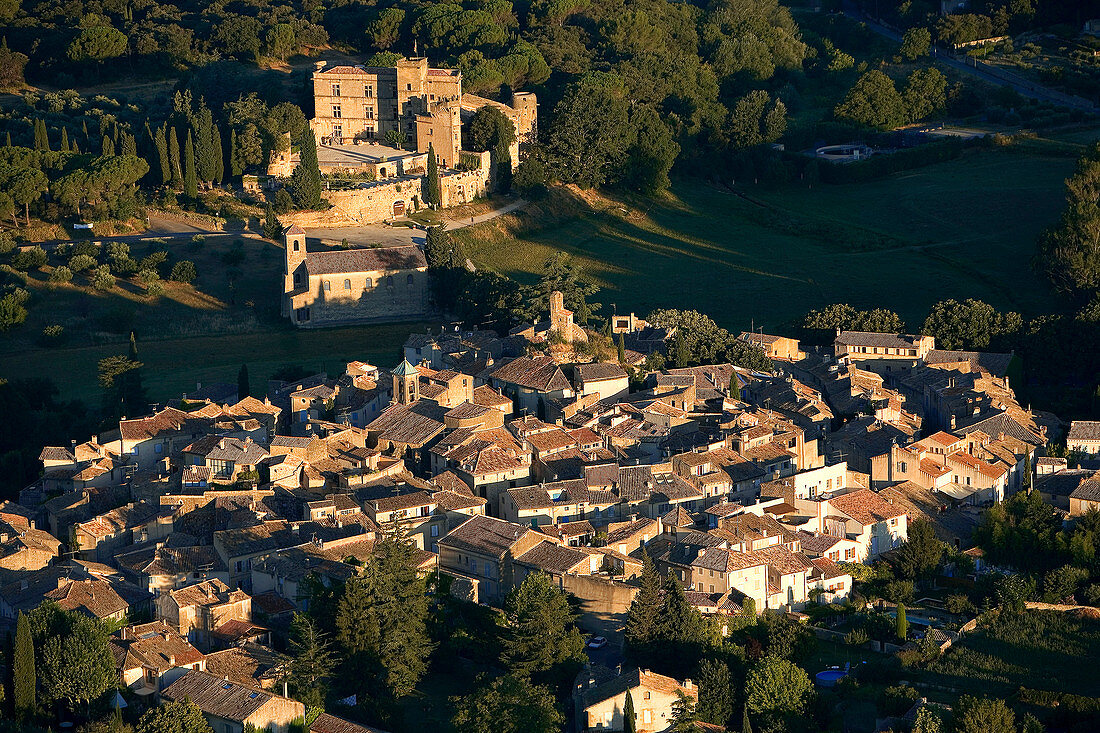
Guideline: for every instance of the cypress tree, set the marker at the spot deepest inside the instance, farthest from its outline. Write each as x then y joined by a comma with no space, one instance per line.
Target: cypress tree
133,391
107,147
219,156
205,158
161,143
902,623
242,382
433,193
24,677
746,726
630,724
735,387
64,140
641,621
190,179
620,347
235,166
8,140
305,182
174,157
129,144
272,226
84,129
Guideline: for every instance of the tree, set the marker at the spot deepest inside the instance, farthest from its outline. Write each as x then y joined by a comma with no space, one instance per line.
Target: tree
901,625
280,42
746,726
591,133
176,716
820,325
175,167
972,324
433,195
542,641
756,119
507,704
641,618
311,661
925,93
440,250
630,722
681,355
735,387
12,64
112,373
134,399
75,664
776,685
190,177
183,272
920,556
242,382
653,153
916,42
23,671
273,228
705,342
305,181
683,713
1014,591
983,715
715,692
620,349
160,142
97,43
873,101
927,721
1069,253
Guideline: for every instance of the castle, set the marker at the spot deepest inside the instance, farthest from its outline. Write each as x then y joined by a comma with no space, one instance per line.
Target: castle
427,106
352,285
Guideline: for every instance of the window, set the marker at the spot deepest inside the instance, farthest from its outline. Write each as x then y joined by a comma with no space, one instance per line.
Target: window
435,530
408,87
338,132
389,281
336,110
368,91
158,448
296,245
646,696
336,90
409,280
297,279
326,284
370,113
370,283
347,284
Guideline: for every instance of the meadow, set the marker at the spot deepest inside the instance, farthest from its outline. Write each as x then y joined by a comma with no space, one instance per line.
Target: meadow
966,228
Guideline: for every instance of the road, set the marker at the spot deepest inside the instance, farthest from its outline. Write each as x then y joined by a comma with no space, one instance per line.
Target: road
1022,85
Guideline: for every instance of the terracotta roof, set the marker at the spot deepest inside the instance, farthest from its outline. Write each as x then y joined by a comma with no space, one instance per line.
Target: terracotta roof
541,373
878,340
248,664
326,723
550,440
365,259
783,561
215,696
489,397
1084,430
209,593
95,598
553,558
599,371
826,568
1089,490
485,535
866,507
413,424
632,680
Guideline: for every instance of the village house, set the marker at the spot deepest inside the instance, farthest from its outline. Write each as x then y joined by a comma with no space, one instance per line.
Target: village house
531,382
874,523
145,653
198,611
599,698
774,347
251,665
230,707
1084,437
1085,498
159,567
609,381
103,537
482,548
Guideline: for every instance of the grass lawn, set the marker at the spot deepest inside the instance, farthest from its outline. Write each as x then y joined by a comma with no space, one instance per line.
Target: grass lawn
962,229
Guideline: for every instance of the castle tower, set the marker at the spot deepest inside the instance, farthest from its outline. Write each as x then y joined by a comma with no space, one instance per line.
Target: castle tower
561,319
406,383
294,276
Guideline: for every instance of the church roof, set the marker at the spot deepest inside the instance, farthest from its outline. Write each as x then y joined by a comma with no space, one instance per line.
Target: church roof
405,369
365,259
293,229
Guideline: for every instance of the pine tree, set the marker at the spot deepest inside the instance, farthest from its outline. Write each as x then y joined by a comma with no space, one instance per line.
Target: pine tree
174,157
305,182
735,387
128,144
439,249
715,692
24,674
902,623
64,140
242,382
272,227
160,141
641,620
433,195
630,724
190,178
7,139
681,357
542,638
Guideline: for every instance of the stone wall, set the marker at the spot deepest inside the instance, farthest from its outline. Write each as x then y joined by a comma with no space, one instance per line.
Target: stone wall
604,603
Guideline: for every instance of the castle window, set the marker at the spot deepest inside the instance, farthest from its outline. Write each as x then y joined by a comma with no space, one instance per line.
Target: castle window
347,284
296,245
370,113
370,283
335,110
409,280
408,87
336,90
327,284
389,281
369,90
297,279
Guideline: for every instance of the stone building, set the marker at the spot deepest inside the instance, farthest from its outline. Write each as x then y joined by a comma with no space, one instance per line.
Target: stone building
350,285
425,105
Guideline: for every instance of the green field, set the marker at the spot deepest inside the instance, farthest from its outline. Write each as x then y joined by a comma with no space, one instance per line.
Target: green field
962,229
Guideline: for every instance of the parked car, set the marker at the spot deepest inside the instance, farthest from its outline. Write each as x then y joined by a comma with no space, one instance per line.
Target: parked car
597,642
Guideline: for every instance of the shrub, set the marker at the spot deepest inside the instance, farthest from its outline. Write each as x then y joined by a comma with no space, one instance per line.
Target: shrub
52,335
61,274
198,240
102,279
959,603
857,637
29,259
148,277
153,261
81,262
7,242
85,248
155,289
183,272
12,312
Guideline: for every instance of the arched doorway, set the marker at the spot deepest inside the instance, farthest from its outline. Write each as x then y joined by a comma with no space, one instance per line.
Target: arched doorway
398,208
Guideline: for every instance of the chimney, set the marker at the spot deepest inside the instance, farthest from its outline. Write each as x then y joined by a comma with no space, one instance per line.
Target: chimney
687,683
172,659
591,681
164,634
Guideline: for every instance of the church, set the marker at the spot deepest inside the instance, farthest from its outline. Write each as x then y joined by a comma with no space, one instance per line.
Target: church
359,285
